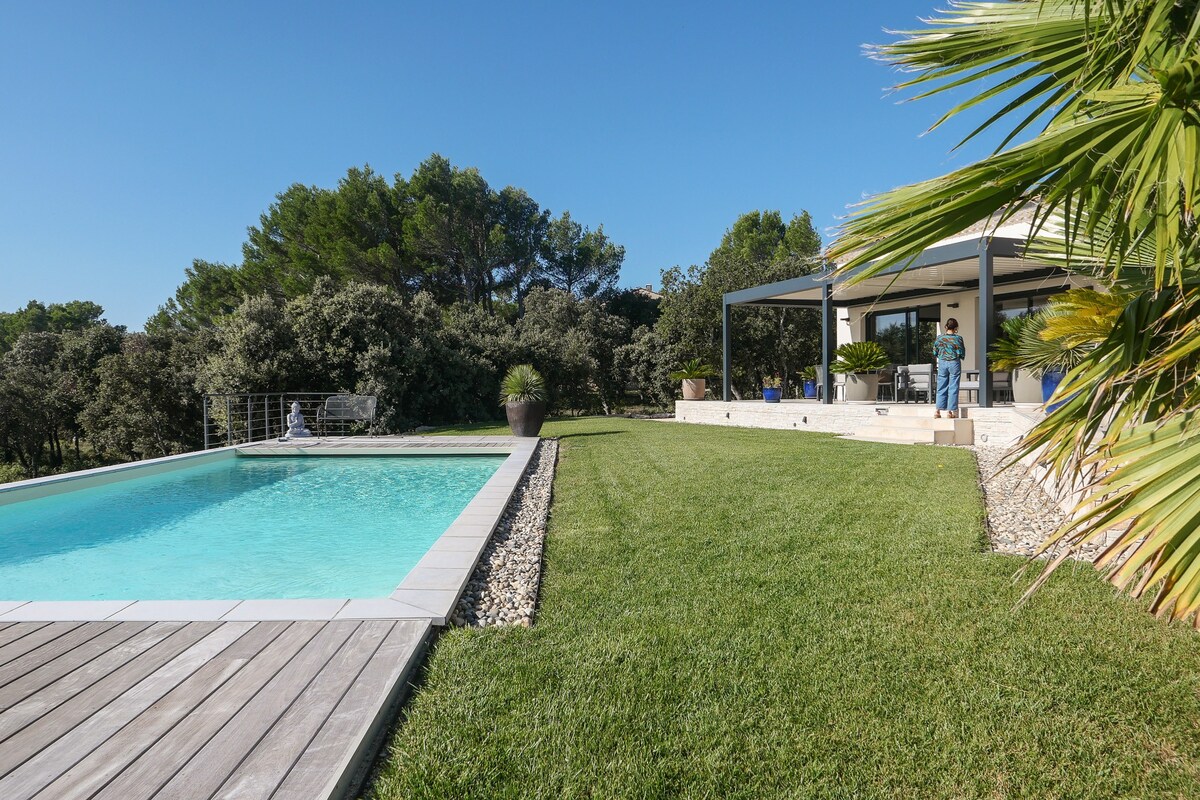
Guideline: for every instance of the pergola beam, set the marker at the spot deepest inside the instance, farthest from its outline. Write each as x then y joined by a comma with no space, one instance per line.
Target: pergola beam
986,304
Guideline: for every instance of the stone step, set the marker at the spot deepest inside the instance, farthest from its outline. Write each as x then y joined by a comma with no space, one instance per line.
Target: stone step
919,430
913,410
927,423
903,435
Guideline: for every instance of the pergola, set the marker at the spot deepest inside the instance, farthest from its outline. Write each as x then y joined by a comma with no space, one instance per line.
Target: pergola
976,262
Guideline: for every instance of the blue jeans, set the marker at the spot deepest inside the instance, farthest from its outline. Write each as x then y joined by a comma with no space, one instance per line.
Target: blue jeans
949,374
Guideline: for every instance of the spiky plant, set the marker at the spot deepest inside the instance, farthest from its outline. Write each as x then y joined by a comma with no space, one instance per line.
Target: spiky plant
522,384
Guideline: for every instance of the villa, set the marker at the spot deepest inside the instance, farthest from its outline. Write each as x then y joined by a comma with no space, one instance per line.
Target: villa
904,309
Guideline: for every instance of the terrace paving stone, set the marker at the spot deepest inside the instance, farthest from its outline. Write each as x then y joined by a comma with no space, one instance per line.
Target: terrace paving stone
176,610
436,578
64,610
439,604
457,544
285,609
380,608
448,559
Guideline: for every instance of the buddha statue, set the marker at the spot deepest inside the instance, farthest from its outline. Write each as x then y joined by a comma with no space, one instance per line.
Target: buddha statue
295,423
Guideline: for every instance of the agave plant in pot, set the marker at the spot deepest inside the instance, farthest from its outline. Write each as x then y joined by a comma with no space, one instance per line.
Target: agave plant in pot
860,362
693,373
523,395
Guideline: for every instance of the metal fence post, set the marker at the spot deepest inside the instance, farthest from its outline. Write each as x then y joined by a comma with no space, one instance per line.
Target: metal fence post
205,422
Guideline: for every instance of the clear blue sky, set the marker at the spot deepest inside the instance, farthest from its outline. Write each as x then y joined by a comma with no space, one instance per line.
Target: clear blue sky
138,136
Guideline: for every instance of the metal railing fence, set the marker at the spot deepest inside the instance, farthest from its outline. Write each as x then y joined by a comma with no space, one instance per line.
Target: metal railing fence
240,418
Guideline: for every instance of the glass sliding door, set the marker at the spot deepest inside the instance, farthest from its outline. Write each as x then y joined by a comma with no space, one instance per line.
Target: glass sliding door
929,318
906,334
891,330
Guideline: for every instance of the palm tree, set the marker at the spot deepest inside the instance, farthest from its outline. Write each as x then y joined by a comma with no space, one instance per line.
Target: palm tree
1100,100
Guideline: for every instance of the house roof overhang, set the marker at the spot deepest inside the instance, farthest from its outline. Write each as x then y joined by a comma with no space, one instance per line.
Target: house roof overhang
941,269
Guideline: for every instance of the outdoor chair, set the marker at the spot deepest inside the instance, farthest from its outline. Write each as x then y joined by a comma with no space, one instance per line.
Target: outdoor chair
1002,386
887,385
920,381
346,409
820,383
839,386
970,387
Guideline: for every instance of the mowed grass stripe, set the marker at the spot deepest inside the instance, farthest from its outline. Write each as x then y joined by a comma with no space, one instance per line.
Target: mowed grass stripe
745,613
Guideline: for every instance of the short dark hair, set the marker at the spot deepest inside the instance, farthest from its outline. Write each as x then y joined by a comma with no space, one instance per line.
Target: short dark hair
952,324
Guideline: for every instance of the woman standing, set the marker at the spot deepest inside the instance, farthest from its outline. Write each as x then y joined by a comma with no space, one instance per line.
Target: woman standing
950,351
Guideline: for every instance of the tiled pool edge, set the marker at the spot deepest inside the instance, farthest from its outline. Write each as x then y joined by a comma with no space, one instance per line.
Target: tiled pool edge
429,591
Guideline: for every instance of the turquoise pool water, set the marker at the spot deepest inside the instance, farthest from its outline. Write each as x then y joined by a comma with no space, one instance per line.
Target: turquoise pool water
239,528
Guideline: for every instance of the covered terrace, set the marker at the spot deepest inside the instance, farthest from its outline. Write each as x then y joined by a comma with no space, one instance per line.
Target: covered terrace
964,277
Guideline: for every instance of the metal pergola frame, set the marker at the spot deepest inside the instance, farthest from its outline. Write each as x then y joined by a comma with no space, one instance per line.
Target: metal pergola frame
984,248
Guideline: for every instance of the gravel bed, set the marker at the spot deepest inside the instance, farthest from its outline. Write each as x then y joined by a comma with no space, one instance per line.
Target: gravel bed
503,589
1020,515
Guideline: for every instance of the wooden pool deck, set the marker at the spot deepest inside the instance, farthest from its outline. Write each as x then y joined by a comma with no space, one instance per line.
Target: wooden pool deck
133,710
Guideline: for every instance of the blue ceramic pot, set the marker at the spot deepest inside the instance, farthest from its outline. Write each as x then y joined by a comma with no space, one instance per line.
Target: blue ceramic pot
1050,382
772,395
810,389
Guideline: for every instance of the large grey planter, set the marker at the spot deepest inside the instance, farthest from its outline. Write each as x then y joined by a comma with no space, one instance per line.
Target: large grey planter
525,419
862,387
1027,388
693,388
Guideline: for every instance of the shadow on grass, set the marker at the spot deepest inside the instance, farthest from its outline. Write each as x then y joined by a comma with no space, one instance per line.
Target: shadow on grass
591,433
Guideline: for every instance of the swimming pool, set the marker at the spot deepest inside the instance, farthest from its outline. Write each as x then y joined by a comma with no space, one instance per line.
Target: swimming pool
238,527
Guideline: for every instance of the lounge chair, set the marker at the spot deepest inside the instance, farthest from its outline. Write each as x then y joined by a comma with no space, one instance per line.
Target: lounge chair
345,409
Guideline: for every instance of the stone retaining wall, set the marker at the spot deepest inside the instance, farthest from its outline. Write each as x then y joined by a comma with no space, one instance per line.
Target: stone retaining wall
994,427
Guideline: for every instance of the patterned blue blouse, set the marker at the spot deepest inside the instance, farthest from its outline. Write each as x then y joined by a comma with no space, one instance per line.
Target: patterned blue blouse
949,347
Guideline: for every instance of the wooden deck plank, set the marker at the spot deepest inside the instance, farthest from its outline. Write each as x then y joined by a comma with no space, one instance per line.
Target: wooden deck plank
157,765
18,629
109,726
50,651
245,710
269,762
117,750
21,678
220,757
325,768
58,708
35,639
18,716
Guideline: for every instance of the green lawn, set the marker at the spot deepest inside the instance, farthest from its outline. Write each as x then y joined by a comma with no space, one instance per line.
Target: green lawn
742,613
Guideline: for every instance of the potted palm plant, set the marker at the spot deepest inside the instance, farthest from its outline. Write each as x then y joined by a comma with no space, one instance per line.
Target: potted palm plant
523,395
1006,354
693,373
772,389
808,377
860,362
1051,342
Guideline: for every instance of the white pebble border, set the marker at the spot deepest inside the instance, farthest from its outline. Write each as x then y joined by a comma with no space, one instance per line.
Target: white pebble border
503,589
1020,515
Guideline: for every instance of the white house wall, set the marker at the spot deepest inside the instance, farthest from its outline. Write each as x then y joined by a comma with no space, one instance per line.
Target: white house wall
852,321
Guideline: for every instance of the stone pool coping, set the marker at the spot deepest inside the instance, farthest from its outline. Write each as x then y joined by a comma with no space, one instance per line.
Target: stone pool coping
429,591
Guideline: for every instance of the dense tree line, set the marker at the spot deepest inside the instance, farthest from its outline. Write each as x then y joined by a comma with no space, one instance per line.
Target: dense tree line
419,290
